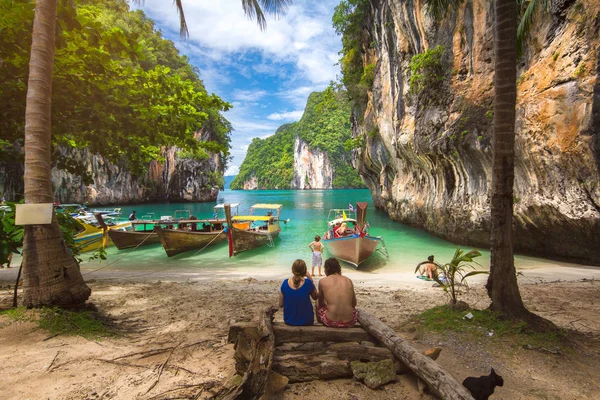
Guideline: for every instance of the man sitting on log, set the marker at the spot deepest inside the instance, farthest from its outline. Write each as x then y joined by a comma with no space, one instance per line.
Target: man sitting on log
336,306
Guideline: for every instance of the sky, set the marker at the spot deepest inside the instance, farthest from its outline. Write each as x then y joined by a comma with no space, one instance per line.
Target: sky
266,75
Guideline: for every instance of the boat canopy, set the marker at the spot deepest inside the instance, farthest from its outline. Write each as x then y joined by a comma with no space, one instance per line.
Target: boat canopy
340,220
251,218
222,205
267,206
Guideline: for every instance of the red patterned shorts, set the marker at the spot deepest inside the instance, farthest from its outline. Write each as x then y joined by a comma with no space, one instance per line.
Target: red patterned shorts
322,312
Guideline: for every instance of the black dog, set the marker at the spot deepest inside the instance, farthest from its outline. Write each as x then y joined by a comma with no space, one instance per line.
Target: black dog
482,388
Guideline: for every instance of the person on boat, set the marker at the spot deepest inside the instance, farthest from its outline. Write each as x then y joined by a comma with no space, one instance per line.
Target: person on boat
132,216
295,296
341,231
428,268
317,259
336,306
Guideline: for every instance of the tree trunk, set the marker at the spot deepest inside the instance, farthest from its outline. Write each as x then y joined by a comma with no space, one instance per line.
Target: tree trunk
51,276
439,381
502,282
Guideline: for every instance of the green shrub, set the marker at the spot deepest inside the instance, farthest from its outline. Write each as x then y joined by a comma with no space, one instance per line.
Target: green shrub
426,71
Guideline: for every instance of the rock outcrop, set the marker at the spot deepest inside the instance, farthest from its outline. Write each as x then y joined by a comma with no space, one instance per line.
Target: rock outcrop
312,169
429,165
175,179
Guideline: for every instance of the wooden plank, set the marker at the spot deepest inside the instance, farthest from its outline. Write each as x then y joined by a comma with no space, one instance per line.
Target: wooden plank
318,333
439,381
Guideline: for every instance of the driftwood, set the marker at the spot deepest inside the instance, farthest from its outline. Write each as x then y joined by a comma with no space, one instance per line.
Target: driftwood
332,362
439,381
248,329
318,333
256,376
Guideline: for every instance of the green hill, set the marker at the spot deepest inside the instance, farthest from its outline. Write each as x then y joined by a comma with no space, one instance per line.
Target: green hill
325,125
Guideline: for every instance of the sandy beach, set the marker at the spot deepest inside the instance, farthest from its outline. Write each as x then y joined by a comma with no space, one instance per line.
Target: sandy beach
180,321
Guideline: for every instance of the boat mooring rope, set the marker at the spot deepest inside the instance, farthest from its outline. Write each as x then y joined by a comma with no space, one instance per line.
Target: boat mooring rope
118,259
209,243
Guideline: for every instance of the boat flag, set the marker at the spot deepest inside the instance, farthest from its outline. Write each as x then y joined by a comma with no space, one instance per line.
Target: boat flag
350,207
344,215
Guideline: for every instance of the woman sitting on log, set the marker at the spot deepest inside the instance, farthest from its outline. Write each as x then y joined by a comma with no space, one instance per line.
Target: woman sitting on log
295,296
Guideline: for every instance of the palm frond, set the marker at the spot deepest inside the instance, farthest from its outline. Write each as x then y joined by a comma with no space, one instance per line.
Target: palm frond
276,8
438,9
183,30
527,19
252,10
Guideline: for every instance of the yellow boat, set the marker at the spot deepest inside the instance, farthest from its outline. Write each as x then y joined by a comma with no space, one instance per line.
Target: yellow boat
93,236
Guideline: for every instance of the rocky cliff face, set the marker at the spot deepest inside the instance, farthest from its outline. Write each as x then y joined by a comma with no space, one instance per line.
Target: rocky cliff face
175,179
312,169
430,163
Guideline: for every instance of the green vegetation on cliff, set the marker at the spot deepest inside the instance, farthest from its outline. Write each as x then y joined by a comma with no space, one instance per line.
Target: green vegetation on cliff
325,125
119,88
270,160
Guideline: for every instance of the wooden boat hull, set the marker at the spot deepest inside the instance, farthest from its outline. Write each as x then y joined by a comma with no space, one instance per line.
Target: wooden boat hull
92,238
244,240
352,249
128,239
179,241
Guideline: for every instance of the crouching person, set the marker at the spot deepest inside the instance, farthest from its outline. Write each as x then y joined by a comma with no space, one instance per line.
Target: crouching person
336,306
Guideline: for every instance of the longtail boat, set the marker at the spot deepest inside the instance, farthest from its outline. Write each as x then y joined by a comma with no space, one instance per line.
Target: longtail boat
246,232
355,245
193,234
95,234
141,234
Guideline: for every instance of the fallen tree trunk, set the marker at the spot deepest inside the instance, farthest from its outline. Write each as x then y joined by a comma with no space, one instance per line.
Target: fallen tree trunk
439,381
331,362
318,333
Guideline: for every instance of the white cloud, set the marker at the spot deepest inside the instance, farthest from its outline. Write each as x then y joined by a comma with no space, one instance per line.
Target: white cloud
248,95
288,116
218,28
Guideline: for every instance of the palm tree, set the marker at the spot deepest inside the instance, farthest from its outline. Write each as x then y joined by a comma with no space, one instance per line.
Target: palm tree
502,282
51,276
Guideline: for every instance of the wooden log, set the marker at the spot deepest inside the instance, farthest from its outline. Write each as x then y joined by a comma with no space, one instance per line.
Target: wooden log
332,362
318,333
439,381
256,375
249,329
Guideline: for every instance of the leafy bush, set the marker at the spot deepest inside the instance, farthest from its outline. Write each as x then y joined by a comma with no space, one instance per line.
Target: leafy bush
427,72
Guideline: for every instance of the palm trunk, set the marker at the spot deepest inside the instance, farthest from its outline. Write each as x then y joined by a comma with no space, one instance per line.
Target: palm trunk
51,276
502,282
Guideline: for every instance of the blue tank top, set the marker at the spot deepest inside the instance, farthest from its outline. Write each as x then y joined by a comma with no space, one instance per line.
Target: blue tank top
297,306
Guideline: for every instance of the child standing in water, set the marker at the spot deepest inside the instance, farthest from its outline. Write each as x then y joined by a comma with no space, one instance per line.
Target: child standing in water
317,249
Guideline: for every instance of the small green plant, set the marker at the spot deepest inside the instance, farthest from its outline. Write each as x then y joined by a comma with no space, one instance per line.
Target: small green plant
520,79
516,199
368,76
426,71
489,114
555,56
453,273
464,133
374,132
580,71
480,138
354,143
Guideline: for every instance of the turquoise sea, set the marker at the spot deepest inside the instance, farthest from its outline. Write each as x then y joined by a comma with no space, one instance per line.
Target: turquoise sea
307,211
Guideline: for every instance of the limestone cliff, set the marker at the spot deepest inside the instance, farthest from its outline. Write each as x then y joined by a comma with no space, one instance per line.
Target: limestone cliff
175,179
308,154
429,162
312,168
